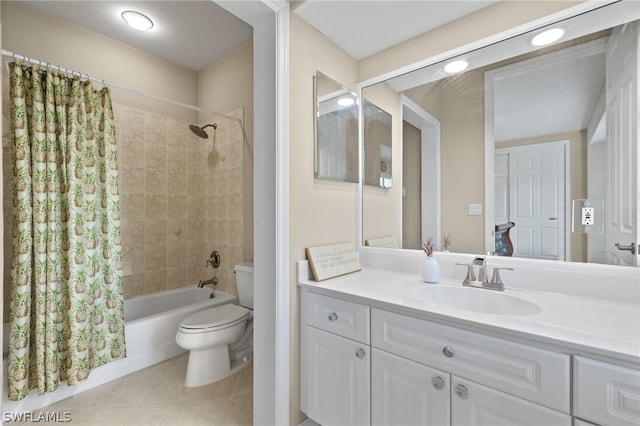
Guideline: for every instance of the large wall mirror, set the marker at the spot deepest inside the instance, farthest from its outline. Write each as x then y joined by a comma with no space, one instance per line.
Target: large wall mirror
336,130
499,151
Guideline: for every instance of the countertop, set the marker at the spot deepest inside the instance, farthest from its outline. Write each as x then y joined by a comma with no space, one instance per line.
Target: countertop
568,323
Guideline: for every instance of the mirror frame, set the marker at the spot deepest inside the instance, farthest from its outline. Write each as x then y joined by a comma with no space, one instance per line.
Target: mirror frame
489,177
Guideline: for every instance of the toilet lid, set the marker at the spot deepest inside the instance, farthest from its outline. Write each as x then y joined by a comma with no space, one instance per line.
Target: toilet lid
215,317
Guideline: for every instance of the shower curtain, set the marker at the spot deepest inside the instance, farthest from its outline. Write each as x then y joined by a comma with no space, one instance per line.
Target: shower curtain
66,310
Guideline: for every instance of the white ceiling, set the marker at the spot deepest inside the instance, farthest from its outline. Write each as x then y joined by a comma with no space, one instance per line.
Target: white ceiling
364,27
191,33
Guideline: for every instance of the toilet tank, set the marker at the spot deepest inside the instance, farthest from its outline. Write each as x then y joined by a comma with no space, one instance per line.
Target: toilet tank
244,281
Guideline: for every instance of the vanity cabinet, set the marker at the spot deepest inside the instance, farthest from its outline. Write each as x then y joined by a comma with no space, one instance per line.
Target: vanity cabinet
606,394
362,365
336,361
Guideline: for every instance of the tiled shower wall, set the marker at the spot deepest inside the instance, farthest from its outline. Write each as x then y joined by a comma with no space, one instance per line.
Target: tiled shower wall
181,198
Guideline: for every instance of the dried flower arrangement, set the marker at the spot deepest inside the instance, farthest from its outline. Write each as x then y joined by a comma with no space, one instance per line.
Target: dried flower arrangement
429,246
446,241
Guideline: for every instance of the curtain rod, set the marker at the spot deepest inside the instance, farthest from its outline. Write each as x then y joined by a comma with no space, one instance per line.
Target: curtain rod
115,85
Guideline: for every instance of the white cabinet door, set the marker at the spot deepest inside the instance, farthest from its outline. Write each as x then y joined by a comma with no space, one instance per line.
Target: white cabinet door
404,392
605,393
338,382
474,404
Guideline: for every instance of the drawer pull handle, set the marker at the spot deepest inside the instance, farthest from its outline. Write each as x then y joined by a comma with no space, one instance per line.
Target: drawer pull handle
462,392
438,382
360,353
447,351
333,316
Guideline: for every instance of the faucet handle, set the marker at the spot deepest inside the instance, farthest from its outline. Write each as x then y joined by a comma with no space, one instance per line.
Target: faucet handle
470,275
496,279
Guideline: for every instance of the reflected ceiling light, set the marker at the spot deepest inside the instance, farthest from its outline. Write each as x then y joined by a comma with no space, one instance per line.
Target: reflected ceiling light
346,101
456,66
137,20
547,37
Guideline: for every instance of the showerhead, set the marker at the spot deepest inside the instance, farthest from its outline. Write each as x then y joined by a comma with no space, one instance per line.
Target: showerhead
199,131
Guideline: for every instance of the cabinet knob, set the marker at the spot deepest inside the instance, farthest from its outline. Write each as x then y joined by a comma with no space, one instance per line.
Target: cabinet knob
438,382
360,353
333,316
447,351
462,391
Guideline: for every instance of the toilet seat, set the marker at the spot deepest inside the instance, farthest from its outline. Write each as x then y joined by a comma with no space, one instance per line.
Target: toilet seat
220,317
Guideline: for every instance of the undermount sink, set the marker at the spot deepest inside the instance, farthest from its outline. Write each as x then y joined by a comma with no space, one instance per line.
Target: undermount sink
478,300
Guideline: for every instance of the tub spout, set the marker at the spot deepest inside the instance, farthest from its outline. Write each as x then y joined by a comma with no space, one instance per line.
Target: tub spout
213,281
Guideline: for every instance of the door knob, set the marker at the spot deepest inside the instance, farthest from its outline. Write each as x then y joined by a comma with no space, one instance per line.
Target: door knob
631,247
333,316
360,353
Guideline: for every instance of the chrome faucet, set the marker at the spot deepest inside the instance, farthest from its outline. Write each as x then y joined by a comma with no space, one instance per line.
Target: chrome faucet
482,281
213,281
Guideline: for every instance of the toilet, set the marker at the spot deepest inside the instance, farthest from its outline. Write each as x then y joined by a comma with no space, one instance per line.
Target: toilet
220,339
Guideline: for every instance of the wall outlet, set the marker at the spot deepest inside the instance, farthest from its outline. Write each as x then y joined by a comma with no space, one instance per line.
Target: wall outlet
587,216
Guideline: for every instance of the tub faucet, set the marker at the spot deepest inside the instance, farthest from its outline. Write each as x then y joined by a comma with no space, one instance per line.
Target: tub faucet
213,281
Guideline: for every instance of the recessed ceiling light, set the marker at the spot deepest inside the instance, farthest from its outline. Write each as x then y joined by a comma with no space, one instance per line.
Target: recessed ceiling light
456,66
137,20
547,37
346,101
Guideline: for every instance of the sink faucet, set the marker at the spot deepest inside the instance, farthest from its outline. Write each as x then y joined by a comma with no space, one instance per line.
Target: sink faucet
483,281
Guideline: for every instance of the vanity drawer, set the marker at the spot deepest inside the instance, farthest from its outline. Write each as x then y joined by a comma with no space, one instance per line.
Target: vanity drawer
347,319
534,374
605,393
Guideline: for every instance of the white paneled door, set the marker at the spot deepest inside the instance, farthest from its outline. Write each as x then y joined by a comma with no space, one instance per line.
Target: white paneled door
621,182
535,191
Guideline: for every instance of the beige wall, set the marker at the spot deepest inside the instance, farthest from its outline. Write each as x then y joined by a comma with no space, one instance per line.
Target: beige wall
226,85
181,196
321,212
411,186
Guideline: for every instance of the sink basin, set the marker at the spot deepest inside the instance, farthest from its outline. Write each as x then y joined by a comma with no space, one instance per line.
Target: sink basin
478,300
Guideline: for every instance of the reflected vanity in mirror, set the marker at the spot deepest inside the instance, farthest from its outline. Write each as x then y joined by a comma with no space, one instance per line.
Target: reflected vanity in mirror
336,130
516,137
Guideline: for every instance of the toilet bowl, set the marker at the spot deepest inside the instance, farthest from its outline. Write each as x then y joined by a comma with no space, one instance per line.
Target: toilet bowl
220,339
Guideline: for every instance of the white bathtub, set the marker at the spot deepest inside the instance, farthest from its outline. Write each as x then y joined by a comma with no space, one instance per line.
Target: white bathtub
151,323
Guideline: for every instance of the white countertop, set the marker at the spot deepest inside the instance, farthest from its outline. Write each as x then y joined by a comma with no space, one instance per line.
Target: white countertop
569,323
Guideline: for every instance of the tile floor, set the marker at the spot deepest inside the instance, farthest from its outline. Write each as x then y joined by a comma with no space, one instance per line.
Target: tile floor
157,396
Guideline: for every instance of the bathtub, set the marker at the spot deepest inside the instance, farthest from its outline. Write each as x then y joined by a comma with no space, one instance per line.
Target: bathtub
151,323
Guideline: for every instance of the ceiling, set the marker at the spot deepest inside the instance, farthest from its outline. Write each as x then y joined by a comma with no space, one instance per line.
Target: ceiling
194,33
191,33
362,28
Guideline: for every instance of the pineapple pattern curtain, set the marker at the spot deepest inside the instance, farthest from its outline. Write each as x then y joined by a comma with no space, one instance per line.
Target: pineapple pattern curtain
66,310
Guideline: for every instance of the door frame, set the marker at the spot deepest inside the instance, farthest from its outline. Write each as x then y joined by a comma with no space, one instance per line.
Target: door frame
564,144
429,127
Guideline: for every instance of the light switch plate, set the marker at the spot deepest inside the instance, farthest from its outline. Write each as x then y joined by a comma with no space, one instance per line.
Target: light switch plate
475,209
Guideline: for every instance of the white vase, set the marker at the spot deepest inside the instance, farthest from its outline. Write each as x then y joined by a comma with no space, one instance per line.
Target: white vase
430,270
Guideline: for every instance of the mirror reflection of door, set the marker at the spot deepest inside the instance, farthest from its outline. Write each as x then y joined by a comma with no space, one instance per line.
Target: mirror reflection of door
531,109
621,187
530,192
